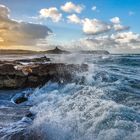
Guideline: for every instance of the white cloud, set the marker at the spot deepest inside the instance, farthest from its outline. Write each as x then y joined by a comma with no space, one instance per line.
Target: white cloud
115,20
121,42
119,27
126,37
51,13
95,43
19,33
70,7
74,19
87,44
94,8
4,11
105,36
94,26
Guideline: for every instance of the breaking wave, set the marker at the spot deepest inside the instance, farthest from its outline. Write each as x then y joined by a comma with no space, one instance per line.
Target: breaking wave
102,104
105,106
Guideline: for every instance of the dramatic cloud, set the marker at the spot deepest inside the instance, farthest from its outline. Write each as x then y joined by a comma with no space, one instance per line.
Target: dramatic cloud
117,41
115,20
74,19
101,35
70,7
94,26
98,34
51,13
14,33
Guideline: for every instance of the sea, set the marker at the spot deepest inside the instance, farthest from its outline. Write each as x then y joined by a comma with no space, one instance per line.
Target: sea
106,106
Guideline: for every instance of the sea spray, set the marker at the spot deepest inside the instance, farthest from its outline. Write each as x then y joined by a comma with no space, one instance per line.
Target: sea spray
98,108
102,103
84,113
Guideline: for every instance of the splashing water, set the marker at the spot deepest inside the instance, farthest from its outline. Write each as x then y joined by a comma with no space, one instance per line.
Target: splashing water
104,106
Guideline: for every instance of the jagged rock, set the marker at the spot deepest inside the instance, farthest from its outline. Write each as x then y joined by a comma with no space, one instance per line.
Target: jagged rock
10,83
13,75
13,83
7,69
33,79
56,51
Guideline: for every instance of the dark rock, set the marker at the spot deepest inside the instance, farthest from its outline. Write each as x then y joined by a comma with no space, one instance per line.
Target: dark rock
7,69
56,51
13,75
30,115
21,99
33,79
12,81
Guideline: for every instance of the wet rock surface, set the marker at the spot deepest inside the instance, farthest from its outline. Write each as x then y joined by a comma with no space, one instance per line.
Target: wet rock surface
14,74
21,100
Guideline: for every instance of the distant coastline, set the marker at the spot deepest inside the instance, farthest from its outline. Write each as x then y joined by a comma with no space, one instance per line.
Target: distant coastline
56,50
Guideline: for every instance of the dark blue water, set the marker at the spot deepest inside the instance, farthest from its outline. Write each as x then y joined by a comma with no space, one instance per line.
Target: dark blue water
102,104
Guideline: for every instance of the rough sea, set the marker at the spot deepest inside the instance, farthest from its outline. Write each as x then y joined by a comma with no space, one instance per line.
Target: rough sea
104,106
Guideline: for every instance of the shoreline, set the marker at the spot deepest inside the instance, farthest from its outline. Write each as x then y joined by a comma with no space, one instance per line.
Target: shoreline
36,72
31,73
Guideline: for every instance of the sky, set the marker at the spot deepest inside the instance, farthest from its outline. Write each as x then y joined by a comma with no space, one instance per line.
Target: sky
111,25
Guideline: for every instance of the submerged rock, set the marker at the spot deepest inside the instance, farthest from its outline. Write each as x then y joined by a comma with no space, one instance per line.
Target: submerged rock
21,100
30,115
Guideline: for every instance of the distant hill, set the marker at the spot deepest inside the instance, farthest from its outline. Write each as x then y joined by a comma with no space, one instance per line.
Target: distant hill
53,51
2,51
95,52
56,51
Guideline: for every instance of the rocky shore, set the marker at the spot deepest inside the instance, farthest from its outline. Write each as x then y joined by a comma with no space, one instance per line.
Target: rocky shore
36,72
28,73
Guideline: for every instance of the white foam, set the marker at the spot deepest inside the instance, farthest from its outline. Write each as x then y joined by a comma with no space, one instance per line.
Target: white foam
88,111
80,113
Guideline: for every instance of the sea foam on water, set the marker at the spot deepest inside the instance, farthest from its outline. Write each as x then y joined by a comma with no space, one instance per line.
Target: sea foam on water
95,109
102,104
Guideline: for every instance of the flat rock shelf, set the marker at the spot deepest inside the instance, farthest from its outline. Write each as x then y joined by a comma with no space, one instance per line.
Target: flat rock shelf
36,72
